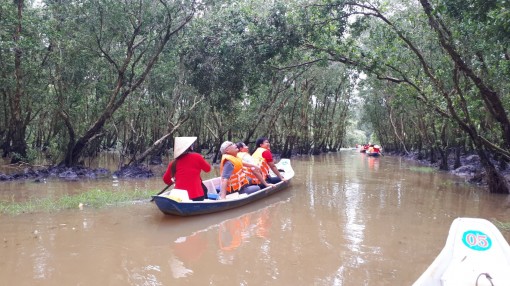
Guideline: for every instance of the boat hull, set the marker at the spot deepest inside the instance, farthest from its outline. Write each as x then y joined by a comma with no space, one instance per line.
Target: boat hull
374,154
476,253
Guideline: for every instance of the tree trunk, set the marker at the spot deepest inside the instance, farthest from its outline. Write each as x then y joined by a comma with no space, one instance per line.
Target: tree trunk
457,164
158,143
443,148
495,181
443,165
433,158
395,130
15,141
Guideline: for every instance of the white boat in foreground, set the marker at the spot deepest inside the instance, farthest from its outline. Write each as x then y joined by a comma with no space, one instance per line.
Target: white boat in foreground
476,253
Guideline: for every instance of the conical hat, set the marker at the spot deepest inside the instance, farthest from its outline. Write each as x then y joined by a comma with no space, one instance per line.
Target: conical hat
182,144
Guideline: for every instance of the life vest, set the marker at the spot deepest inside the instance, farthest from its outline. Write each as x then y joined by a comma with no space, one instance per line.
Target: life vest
370,149
257,155
238,178
247,170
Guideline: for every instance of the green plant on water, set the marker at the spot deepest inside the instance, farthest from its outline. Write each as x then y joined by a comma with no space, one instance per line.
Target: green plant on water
422,169
454,183
504,226
91,199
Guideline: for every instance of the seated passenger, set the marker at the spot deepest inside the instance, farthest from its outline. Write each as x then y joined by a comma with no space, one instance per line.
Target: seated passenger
264,159
233,178
371,149
251,169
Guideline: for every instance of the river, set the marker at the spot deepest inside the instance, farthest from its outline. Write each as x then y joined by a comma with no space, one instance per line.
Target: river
346,219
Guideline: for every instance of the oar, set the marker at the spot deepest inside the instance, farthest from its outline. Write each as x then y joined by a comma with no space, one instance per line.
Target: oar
168,186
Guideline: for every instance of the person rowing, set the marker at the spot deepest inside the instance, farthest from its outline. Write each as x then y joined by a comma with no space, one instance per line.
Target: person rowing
185,168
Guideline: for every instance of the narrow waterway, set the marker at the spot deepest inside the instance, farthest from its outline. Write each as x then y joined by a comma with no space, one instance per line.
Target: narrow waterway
345,220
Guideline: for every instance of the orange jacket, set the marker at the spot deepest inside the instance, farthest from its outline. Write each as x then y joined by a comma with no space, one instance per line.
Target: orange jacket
261,161
247,170
238,178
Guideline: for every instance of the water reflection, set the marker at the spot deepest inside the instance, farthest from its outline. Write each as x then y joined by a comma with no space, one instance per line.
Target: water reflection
223,238
373,163
354,223
187,251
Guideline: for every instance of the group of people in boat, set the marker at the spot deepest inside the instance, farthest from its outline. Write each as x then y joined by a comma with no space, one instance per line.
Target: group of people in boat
369,148
240,171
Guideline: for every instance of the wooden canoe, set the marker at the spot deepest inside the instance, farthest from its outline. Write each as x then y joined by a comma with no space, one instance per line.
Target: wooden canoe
175,202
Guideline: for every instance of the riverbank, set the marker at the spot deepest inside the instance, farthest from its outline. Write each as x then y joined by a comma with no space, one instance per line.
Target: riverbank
470,168
40,174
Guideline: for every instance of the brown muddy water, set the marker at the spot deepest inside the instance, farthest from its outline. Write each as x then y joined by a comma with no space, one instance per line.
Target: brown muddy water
345,220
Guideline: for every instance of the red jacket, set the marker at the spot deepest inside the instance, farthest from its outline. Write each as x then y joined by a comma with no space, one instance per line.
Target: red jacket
187,174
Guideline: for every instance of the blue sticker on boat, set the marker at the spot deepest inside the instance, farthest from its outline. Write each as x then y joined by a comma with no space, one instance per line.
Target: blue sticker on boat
476,240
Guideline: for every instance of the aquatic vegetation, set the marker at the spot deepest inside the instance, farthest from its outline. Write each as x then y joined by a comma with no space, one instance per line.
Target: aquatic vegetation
423,169
92,199
503,226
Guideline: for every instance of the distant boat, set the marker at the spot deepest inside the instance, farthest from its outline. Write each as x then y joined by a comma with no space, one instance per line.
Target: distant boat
374,150
176,202
476,253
